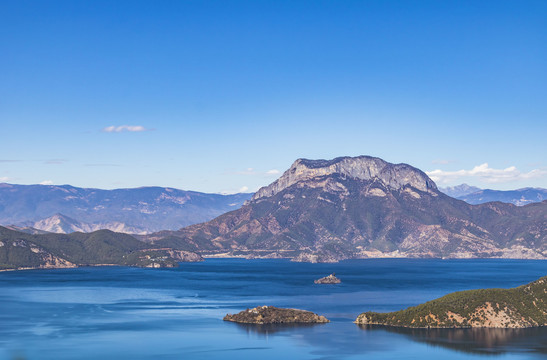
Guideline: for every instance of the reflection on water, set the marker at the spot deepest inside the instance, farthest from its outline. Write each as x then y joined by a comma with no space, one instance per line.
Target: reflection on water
476,340
267,329
344,340
335,340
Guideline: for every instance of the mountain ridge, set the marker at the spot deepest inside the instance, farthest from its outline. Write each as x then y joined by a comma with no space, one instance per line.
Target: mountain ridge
142,213
361,167
137,210
324,215
517,197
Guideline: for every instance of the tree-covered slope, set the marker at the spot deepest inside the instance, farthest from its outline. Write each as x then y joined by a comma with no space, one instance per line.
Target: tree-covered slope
22,250
524,306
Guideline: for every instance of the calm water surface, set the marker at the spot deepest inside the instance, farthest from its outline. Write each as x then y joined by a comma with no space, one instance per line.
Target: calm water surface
130,313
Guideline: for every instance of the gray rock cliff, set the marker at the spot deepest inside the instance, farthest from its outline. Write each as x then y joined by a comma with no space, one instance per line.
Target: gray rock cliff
393,176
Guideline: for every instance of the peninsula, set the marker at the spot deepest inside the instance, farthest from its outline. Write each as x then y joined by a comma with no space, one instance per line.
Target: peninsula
521,307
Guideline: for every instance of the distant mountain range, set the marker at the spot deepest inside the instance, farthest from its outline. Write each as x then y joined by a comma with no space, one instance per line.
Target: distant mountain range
64,209
459,190
329,210
317,211
475,195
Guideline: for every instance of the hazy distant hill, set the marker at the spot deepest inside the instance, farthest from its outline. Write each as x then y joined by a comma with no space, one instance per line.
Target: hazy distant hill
141,210
459,190
475,195
321,210
518,197
62,224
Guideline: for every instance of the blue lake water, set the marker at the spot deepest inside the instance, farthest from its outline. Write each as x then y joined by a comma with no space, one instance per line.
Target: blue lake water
132,313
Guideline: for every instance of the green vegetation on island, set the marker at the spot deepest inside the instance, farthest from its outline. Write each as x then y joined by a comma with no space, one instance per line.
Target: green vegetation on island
521,307
273,315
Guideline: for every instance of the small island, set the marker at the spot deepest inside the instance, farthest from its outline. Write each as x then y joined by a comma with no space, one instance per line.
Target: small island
274,315
331,279
521,307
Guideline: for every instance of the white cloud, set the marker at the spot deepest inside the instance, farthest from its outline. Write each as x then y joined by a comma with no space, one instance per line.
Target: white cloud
486,174
231,192
272,172
4,178
123,128
46,182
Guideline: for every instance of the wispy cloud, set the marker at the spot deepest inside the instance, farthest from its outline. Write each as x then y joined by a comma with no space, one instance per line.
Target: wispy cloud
248,171
124,128
105,165
55,161
46,182
4,178
253,172
443,161
486,174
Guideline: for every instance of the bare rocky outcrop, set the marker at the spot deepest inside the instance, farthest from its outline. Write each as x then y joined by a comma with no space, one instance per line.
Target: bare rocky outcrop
28,255
317,257
394,176
331,279
275,315
54,262
161,258
184,256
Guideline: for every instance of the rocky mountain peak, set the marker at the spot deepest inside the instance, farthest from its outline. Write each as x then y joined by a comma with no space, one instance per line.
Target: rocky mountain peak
394,176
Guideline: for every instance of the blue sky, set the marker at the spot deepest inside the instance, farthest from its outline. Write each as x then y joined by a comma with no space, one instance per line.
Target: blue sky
221,96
